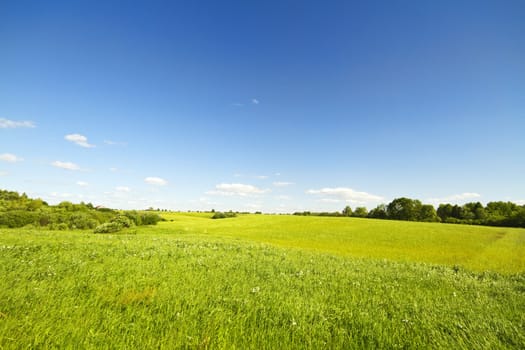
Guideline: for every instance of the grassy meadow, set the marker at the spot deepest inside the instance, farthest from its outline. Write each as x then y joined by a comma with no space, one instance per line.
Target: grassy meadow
264,282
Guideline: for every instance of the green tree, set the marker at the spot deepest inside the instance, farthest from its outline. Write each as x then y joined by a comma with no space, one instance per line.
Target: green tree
444,211
474,211
66,205
347,211
360,212
404,209
428,213
379,212
518,218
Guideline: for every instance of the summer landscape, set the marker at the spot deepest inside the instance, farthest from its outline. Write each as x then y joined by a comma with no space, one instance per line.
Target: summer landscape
262,175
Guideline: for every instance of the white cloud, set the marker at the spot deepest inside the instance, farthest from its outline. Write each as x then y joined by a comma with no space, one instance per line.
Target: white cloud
10,158
283,198
518,202
236,190
78,139
122,189
253,205
204,200
282,183
115,143
455,198
261,177
11,124
255,101
330,200
82,183
65,165
345,194
4,173
113,170
152,180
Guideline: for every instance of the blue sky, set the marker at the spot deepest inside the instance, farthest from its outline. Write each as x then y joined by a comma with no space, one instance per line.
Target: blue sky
275,106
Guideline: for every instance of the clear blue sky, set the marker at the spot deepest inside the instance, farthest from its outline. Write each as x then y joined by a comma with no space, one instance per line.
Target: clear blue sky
269,105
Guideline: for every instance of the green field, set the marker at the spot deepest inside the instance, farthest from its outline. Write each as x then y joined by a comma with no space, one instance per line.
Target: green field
264,282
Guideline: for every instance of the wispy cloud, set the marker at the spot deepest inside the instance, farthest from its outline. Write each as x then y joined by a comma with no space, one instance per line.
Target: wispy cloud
455,198
10,158
261,177
252,101
82,183
152,180
283,198
78,139
65,165
122,189
330,200
328,194
520,202
115,143
253,206
4,173
11,124
236,190
282,183
204,201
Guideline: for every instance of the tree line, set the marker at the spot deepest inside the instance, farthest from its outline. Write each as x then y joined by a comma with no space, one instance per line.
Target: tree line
18,210
497,213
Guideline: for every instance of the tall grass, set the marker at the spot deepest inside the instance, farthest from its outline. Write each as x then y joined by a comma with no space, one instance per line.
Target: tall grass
196,283
478,248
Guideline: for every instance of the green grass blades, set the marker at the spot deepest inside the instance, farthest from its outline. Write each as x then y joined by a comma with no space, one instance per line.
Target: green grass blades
262,282
478,248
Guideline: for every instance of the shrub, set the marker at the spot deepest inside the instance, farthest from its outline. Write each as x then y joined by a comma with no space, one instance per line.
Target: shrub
123,221
17,218
82,221
108,227
221,215
134,216
44,220
62,226
150,219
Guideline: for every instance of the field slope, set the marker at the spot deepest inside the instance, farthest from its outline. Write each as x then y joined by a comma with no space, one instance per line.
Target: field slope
264,282
477,248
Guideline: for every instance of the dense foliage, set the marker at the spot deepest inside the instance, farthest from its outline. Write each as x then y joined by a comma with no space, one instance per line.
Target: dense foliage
18,210
225,215
493,214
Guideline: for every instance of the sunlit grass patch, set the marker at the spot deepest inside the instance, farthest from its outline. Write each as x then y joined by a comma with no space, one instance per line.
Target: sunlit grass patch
479,248
213,287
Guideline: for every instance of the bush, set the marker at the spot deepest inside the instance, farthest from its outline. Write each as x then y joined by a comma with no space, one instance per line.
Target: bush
108,227
44,220
221,215
62,226
17,218
134,216
82,221
150,219
123,221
